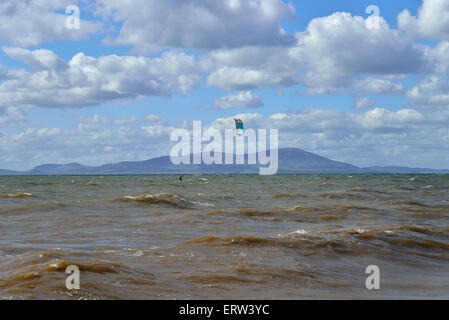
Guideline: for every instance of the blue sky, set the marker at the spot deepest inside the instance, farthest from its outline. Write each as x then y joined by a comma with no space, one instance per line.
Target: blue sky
332,79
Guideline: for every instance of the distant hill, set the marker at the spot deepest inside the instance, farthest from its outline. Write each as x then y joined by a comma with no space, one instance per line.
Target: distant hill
398,170
291,160
55,169
8,172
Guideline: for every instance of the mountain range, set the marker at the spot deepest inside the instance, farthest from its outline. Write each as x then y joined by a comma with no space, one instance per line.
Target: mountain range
291,161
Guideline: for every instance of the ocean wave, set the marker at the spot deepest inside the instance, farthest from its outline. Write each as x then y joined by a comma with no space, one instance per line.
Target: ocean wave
254,274
354,193
255,212
287,195
40,183
169,199
416,204
86,266
44,269
406,239
36,206
244,239
93,183
308,209
305,242
203,204
296,233
215,279
17,195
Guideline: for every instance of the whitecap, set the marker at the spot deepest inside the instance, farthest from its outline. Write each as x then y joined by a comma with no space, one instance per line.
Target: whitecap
294,233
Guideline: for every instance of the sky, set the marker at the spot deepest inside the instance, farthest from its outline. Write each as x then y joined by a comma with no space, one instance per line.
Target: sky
364,82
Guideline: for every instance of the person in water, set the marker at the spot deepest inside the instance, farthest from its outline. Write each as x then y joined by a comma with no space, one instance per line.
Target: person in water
180,177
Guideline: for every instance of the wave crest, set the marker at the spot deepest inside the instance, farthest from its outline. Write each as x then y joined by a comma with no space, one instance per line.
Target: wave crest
169,199
17,195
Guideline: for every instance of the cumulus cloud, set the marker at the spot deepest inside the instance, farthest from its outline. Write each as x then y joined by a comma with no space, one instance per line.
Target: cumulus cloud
12,116
152,25
432,22
338,53
243,99
30,22
253,67
373,137
438,58
90,143
342,45
88,81
377,86
378,136
432,91
364,103
38,60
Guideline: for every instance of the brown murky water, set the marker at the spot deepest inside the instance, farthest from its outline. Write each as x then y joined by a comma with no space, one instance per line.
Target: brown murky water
224,236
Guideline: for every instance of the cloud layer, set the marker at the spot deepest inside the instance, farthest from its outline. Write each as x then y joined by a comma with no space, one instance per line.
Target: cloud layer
87,81
392,137
432,22
30,22
153,25
243,99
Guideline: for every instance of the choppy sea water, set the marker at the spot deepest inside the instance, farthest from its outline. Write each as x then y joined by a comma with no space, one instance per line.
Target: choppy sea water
224,236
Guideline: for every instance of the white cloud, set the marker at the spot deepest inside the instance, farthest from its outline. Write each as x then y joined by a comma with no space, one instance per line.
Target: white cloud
30,22
432,91
243,99
229,78
152,25
253,67
340,47
338,53
38,60
374,137
11,116
87,81
432,22
364,103
438,58
95,141
377,86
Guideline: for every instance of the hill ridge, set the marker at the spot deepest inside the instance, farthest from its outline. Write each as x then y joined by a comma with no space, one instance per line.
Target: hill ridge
291,160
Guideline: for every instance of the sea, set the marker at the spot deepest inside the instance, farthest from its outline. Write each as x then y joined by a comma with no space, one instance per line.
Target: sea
225,236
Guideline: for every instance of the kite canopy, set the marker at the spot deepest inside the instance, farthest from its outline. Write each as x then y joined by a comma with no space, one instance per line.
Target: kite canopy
239,126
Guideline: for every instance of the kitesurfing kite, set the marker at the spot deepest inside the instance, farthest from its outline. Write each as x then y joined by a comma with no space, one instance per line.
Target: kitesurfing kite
239,126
